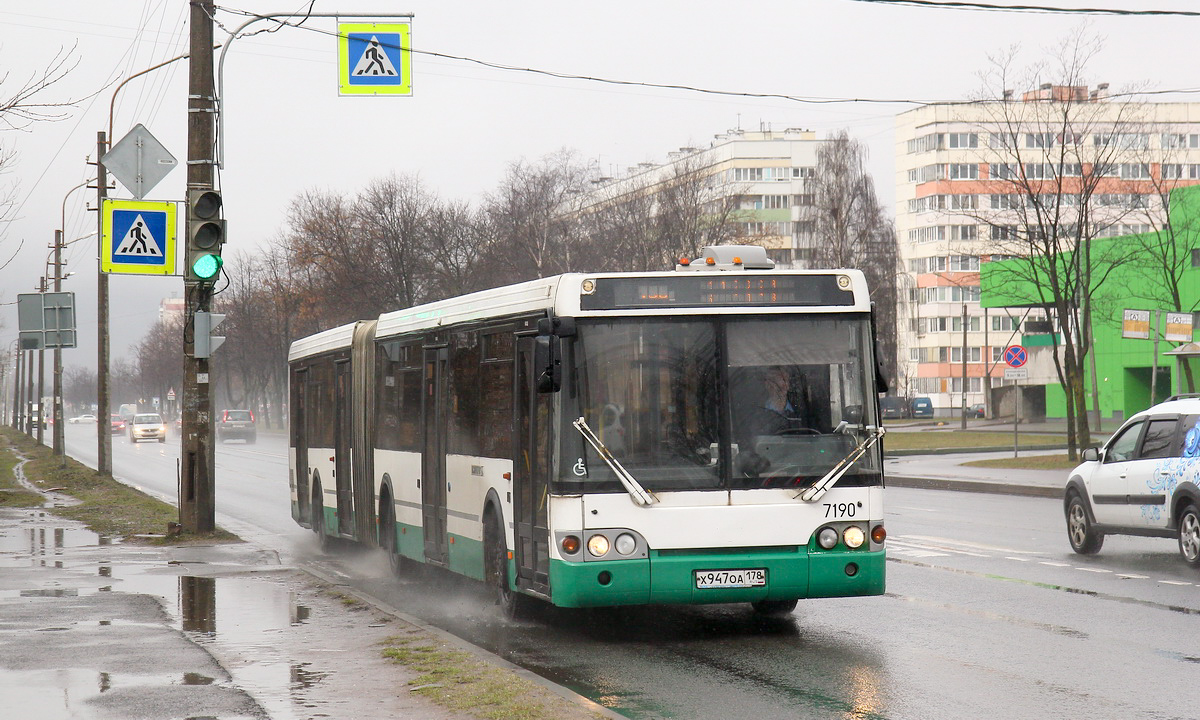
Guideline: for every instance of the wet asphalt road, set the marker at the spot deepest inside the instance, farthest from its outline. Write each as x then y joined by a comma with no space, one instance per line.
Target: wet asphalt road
988,613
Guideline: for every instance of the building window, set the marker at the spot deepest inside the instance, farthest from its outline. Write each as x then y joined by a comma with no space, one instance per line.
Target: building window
1172,171
964,171
963,232
925,143
1135,171
1039,140
963,140
1174,141
1002,171
1196,263
747,174
775,202
964,263
804,172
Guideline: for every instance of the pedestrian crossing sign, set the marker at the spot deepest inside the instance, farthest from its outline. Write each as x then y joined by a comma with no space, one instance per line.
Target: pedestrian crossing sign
374,59
138,237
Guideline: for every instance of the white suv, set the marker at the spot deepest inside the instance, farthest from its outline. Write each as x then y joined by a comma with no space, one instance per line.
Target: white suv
1144,481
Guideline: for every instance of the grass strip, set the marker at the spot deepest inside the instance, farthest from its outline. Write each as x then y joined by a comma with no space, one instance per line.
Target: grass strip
1028,462
12,493
962,439
462,682
106,506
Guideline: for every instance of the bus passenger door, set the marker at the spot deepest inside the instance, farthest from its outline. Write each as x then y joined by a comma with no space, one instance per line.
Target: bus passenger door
299,433
341,449
531,473
433,457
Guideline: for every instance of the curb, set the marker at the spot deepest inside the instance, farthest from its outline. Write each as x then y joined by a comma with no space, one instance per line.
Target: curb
975,486
451,639
968,450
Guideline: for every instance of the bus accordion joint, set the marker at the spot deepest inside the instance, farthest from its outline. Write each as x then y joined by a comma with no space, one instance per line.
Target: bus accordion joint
640,495
820,487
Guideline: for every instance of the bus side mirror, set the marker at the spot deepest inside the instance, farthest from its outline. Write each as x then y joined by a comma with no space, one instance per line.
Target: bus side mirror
547,363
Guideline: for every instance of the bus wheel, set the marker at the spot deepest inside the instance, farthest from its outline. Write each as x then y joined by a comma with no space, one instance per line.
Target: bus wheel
774,608
387,525
1189,535
512,603
1084,538
318,520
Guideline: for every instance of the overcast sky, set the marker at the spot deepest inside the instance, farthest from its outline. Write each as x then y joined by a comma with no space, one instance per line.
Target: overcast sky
287,130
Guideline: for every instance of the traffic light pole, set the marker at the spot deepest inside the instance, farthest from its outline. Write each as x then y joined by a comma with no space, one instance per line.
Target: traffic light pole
197,496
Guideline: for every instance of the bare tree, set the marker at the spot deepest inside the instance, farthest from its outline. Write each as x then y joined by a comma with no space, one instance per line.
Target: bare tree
649,221
528,233
24,104
1059,154
851,230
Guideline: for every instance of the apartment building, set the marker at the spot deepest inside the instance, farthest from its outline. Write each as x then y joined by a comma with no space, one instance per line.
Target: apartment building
764,172
967,176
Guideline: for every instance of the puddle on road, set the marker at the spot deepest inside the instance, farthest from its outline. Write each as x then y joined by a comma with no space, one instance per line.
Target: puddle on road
239,618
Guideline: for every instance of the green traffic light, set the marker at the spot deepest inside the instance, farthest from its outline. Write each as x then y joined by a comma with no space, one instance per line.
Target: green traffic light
207,266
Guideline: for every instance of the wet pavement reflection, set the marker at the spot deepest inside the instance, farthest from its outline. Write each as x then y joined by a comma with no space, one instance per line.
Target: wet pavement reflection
131,632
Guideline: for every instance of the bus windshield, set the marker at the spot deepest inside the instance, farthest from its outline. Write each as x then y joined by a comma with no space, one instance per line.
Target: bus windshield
731,403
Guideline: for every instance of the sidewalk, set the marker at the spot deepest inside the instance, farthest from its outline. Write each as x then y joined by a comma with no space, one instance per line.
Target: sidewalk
946,472
91,628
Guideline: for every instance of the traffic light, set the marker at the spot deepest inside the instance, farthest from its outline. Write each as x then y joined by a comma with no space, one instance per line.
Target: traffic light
206,235
204,343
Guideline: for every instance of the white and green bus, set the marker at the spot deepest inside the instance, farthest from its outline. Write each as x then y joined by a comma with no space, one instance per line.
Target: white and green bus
707,435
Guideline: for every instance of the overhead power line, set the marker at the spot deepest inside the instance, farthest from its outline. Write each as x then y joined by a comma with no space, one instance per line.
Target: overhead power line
809,100
1047,9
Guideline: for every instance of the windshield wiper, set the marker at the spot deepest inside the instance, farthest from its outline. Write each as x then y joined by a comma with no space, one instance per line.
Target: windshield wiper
820,487
639,494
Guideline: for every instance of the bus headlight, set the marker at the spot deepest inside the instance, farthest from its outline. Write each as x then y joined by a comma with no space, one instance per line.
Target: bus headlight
854,536
570,545
598,545
827,538
625,544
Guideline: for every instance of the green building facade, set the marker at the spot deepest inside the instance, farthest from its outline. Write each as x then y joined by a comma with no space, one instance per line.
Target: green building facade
1133,280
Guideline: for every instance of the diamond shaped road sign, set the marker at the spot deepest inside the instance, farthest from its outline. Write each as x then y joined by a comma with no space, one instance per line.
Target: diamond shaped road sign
139,161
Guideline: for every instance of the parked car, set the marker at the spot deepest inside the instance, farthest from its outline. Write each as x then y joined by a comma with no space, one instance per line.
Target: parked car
85,418
920,407
118,425
147,426
1140,482
237,425
893,407
978,410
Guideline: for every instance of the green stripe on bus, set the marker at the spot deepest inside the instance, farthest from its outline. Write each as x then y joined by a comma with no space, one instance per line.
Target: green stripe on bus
661,579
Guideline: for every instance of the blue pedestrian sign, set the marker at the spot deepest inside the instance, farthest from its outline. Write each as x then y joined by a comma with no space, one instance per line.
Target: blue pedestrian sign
138,237
374,59
1015,356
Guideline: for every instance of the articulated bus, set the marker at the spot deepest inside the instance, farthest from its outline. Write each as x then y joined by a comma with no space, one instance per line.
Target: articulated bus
707,435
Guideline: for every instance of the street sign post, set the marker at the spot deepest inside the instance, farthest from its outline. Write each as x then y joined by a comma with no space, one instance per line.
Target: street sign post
1015,356
138,237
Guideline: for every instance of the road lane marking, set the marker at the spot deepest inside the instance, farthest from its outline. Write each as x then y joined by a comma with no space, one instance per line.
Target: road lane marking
1175,582
1095,570
1053,564
1125,576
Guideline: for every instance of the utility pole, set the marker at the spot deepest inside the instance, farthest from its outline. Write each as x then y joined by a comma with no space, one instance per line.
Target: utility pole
103,406
41,396
197,496
29,394
59,432
964,368
16,418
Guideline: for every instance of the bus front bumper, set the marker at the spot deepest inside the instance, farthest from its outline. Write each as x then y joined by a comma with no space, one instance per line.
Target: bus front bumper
671,577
